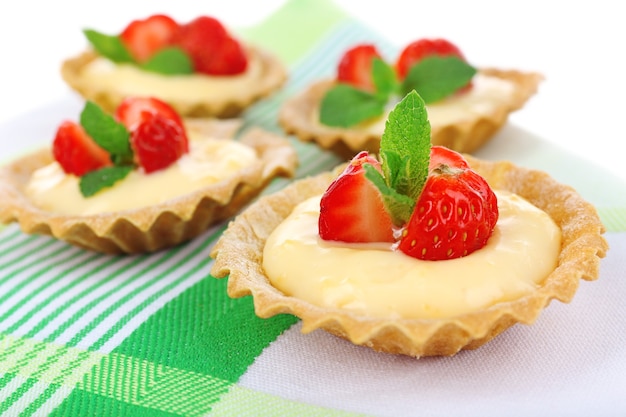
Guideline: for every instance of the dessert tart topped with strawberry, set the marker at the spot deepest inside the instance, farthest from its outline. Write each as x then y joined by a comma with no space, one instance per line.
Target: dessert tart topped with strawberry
466,106
141,179
198,67
424,252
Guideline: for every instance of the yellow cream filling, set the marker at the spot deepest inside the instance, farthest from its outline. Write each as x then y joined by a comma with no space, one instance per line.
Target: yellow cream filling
129,80
378,281
208,162
486,95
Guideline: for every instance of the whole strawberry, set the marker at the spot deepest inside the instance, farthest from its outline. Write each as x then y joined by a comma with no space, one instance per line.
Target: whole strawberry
454,215
158,142
211,48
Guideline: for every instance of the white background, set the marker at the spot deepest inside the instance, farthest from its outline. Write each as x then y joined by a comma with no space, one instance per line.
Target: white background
577,45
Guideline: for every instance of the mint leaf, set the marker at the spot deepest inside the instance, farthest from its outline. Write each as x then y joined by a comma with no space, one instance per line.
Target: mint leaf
169,61
94,181
398,206
405,146
109,46
384,77
107,132
436,77
405,155
345,106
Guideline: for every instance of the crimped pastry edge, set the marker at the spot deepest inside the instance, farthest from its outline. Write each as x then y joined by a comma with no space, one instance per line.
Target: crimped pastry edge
238,255
274,76
151,228
296,117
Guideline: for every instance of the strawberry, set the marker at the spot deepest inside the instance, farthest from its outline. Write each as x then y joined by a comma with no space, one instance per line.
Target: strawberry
76,151
454,215
351,209
442,155
212,50
420,49
144,37
355,66
131,110
158,141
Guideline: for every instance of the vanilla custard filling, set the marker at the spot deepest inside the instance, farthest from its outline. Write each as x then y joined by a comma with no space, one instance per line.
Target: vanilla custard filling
486,96
208,162
129,80
375,280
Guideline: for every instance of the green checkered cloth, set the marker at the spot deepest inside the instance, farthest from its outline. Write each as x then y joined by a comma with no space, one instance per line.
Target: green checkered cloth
87,334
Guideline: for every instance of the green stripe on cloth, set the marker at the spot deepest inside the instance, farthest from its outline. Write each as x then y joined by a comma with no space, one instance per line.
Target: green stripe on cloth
613,218
215,332
126,382
321,15
241,401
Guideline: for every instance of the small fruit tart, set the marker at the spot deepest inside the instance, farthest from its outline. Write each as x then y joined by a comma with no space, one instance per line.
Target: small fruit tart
198,67
424,252
140,180
466,106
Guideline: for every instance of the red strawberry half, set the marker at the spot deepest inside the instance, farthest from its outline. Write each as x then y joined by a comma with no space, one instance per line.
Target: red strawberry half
143,38
131,111
355,66
351,209
76,151
420,49
454,215
440,155
212,50
158,142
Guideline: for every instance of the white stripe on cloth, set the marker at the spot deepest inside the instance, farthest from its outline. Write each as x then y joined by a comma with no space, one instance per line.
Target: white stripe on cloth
572,361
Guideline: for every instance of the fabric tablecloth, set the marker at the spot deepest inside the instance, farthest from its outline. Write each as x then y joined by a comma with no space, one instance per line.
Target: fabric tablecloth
86,334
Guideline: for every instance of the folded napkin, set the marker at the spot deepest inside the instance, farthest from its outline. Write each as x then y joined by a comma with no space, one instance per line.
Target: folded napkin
86,334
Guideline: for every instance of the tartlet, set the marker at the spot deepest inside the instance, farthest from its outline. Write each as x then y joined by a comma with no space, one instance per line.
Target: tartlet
238,255
298,116
272,75
152,227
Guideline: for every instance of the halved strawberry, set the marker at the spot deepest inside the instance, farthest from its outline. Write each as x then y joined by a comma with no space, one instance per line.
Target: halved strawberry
355,66
144,37
441,155
158,142
76,151
211,49
454,215
422,48
131,111
351,209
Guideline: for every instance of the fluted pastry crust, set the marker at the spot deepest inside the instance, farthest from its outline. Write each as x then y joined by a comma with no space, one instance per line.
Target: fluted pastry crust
273,76
154,227
297,117
238,255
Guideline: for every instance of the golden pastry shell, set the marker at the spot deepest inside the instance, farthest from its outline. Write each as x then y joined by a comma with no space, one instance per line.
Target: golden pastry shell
238,254
154,227
297,117
273,76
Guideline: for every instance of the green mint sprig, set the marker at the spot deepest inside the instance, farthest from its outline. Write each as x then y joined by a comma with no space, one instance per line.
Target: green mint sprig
169,61
111,136
405,155
94,181
434,78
